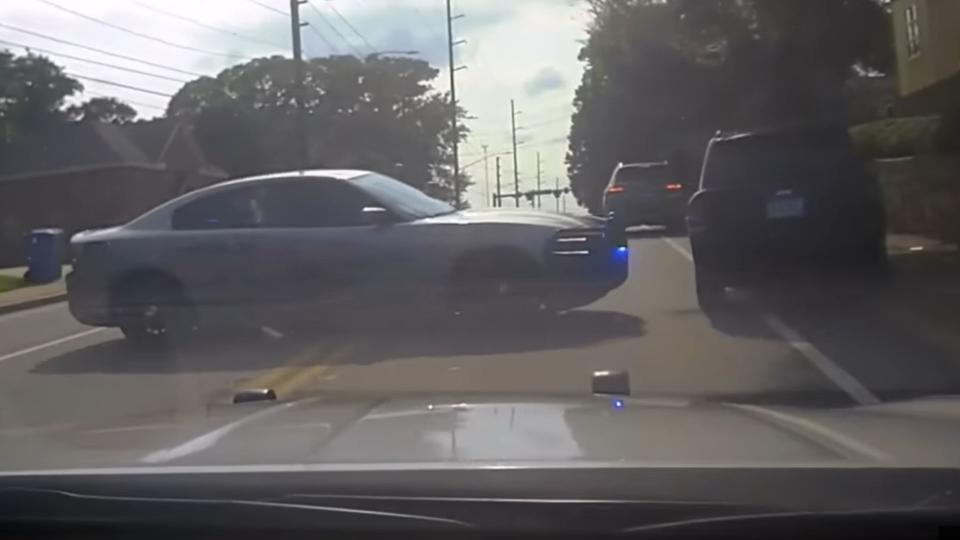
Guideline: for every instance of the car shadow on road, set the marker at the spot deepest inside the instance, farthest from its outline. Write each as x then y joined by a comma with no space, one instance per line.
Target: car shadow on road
898,335
369,342
455,338
245,351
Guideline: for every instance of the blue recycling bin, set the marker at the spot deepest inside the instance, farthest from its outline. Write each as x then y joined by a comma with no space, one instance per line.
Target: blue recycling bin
43,255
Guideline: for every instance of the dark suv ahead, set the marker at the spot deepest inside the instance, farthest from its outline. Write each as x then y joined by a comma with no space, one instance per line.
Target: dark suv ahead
792,197
646,194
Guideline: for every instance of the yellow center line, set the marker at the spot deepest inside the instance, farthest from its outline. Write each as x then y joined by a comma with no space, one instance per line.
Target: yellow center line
312,374
289,368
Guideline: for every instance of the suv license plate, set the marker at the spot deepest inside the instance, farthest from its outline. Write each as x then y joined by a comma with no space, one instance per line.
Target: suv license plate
786,207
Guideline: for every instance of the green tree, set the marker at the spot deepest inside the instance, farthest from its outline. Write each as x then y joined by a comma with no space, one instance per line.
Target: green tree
379,113
102,109
33,91
660,76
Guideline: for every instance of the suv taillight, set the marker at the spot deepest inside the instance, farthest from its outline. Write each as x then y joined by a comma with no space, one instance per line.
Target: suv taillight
616,189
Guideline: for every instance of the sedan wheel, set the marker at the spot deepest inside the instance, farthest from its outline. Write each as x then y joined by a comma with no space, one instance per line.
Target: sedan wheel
157,313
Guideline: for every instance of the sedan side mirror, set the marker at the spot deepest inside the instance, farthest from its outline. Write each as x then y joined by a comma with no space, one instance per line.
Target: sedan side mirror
377,216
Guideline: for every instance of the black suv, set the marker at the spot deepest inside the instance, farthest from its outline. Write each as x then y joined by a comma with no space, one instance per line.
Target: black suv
792,197
646,194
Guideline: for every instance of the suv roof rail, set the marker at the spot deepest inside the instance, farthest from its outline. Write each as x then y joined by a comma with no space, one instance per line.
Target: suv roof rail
735,134
644,164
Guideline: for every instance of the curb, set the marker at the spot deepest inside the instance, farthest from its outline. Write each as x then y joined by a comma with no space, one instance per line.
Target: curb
30,304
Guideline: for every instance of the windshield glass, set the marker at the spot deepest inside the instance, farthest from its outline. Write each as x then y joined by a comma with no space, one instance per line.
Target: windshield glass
401,198
461,234
647,175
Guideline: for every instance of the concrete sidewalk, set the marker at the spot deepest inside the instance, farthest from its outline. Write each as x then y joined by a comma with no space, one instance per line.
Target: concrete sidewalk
31,296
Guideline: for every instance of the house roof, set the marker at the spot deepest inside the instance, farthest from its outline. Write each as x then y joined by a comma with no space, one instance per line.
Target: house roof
91,144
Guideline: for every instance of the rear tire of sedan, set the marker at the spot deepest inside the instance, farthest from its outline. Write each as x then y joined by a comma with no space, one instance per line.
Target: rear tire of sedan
156,311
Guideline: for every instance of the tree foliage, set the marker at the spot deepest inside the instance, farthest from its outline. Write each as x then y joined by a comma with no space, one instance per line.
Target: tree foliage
34,95
102,109
380,113
660,76
33,91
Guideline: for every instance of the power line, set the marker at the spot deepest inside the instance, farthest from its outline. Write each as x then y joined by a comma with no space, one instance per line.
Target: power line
119,85
104,64
431,27
270,8
101,51
201,24
351,27
323,38
140,34
334,28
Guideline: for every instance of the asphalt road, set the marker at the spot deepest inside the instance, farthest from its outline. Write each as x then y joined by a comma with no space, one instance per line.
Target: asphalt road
817,342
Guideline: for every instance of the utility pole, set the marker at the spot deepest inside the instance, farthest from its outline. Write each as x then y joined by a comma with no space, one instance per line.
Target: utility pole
558,194
457,187
516,168
301,120
486,170
499,203
539,205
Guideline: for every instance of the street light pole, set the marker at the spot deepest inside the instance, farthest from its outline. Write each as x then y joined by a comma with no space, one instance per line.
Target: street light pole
301,121
516,168
376,54
499,194
538,181
486,171
457,187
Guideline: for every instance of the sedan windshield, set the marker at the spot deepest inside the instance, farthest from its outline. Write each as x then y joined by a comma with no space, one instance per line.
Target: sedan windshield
406,201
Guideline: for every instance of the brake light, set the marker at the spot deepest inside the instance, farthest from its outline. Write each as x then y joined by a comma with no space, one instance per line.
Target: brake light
616,189
674,187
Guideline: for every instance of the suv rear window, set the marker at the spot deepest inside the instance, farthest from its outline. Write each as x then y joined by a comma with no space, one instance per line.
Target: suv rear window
655,175
780,161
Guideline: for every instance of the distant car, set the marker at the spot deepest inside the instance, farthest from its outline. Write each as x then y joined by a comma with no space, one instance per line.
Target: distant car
646,194
331,240
797,196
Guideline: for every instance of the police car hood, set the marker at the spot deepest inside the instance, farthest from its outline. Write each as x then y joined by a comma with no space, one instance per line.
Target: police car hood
465,431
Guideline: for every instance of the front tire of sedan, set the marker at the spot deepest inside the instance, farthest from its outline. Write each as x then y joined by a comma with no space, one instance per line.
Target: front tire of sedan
156,313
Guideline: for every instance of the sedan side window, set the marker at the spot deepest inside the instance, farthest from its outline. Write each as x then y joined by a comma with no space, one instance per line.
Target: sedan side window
314,203
236,209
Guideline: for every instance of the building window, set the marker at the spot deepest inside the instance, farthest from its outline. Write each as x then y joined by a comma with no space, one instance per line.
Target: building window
913,31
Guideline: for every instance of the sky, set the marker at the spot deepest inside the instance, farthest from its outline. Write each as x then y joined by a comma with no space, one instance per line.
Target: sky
525,50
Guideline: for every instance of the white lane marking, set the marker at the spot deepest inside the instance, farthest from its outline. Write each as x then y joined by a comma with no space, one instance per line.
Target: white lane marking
275,334
854,388
207,440
835,373
49,344
34,311
850,447
679,249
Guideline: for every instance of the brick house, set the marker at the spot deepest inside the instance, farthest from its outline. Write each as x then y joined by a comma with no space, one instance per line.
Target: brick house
88,175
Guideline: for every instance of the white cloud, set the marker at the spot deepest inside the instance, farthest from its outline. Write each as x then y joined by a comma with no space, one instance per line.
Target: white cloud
508,43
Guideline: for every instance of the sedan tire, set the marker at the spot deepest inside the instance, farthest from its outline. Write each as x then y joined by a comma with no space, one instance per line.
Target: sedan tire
156,312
